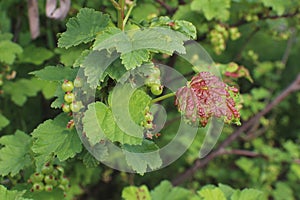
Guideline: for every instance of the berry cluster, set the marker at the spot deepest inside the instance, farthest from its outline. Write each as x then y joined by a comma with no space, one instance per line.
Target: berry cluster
50,176
207,96
71,105
148,124
153,81
220,34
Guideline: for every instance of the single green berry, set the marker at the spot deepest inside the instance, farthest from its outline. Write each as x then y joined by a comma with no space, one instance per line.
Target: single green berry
67,86
149,81
49,179
148,125
78,83
76,106
47,169
149,117
66,108
69,97
39,186
156,89
64,181
36,177
48,188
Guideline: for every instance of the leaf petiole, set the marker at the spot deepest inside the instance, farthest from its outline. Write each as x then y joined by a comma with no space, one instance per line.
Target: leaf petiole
129,12
163,97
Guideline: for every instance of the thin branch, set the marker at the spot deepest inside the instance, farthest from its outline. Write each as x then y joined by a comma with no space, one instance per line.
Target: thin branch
289,46
261,17
241,153
166,6
199,163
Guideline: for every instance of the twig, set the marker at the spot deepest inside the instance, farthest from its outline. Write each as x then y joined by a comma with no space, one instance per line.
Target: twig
261,17
289,45
199,163
241,153
169,9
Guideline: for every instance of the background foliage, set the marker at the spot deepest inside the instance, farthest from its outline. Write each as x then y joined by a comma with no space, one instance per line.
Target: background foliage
257,40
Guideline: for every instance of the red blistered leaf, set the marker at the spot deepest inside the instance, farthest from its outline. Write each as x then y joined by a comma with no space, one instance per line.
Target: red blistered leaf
207,96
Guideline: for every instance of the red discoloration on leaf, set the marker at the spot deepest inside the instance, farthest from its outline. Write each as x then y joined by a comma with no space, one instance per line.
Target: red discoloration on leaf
207,96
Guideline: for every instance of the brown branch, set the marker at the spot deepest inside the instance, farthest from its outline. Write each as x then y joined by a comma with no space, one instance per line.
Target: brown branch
199,163
240,152
169,9
261,17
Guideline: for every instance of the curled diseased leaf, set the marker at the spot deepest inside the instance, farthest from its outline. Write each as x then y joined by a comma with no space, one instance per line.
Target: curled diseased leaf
206,96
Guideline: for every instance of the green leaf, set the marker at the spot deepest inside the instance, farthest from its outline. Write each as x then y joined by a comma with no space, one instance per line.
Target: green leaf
35,55
165,191
83,28
56,73
144,10
69,56
23,88
247,194
140,157
211,194
93,121
212,8
15,155
137,104
3,121
6,194
153,39
95,64
283,192
99,124
227,190
57,103
136,193
8,51
116,71
135,58
186,28
89,161
156,39
53,138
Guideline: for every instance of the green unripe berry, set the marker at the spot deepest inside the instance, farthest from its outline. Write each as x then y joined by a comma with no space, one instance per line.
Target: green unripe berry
76,106
39,186
156,89
36,177
69,97
149,117
47,169
49,179
148,125
66,108
67,86
48,188
78,83
64,181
